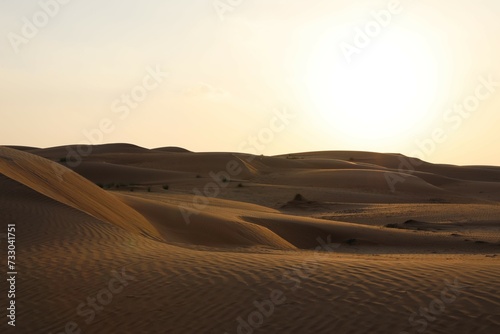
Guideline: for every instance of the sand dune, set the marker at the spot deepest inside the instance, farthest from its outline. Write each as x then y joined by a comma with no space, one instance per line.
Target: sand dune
67,187
346,256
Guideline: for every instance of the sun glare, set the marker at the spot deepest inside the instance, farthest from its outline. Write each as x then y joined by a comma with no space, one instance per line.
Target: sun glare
384,92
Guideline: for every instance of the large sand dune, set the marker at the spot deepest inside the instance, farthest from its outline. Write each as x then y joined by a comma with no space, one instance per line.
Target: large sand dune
347,255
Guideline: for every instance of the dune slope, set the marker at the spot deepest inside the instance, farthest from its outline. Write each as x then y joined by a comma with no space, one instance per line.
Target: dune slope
65,186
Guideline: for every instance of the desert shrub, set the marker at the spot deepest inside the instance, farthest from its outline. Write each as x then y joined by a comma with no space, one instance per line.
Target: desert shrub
240,185
391,225
63,159
298,197
165,187
351,241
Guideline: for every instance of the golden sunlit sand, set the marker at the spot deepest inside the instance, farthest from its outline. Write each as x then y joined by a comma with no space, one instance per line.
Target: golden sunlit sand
127,241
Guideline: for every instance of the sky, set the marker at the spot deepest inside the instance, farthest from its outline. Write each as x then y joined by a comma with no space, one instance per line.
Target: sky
416,77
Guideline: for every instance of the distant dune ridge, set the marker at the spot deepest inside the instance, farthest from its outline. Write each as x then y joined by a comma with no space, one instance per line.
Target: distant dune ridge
205,263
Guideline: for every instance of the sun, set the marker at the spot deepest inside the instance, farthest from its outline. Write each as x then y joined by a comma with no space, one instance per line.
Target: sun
384,92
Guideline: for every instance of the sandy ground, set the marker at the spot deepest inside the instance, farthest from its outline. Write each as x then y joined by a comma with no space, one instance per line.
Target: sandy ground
131,240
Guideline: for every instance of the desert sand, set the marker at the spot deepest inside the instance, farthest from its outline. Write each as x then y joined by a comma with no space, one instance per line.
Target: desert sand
124,239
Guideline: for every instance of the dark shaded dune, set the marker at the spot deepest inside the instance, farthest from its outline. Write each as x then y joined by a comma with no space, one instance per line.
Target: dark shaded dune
99,172
86,151
397,161
435,179
199,163
495,168
172,149
340,164
388,160
412,224
463,172
374,180
476,189
22,148
266,164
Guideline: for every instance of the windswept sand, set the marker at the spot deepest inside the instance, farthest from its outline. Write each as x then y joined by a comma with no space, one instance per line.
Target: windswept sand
424,257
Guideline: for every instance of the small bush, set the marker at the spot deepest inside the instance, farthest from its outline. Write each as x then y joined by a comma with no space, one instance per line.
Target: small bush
240,185
63,159
351,241
391,225
165,187
100,185
224,179
149,189
198,176
298,197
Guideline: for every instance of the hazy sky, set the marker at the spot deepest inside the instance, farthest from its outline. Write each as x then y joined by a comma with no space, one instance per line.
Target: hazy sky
263,76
